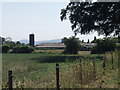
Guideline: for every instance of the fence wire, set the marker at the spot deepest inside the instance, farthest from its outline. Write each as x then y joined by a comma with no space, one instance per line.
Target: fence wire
71,75
51,74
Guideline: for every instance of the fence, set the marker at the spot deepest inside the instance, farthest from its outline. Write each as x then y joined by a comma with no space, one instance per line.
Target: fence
79,74
10,78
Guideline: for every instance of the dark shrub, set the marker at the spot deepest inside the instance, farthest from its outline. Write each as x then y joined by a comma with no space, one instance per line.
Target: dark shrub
66,58
11,44
118,47
104,45
4,48
72,45
94,50
22,49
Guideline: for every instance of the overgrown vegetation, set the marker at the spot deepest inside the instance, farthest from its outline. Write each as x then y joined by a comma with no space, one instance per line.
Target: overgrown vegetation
104,45
38,70
86,17
7,45
22,49
72,45
118,47
4,48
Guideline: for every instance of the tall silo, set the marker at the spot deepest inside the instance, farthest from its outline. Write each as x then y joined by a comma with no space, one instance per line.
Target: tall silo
31,40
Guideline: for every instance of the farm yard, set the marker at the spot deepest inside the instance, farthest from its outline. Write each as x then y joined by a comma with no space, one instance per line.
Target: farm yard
54,58
38,70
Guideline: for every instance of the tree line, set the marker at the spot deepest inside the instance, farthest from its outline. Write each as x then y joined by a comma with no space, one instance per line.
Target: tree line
100,17
107,44
7,45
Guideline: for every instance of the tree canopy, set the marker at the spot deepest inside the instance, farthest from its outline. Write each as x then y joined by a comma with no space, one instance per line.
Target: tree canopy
72,45
85,17
104,45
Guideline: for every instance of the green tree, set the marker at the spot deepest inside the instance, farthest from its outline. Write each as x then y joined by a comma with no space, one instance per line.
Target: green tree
119,39
18,43
104,45
82,41
95,40
5,48
72,45
10,43
88,41
22,49
118,47
115,39
86,17
2,40
64,39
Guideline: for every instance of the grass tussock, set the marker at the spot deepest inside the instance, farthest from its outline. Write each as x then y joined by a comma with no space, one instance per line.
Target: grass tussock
37,70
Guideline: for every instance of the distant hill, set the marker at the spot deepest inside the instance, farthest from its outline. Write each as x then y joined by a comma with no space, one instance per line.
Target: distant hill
24,41
48,41
44,41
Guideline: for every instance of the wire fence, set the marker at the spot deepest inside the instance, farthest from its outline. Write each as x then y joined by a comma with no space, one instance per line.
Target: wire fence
79,74
46,77
18,83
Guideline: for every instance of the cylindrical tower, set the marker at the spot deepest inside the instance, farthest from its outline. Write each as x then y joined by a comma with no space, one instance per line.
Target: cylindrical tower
31,40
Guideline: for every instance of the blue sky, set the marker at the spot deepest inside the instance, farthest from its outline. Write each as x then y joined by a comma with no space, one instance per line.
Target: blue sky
19,19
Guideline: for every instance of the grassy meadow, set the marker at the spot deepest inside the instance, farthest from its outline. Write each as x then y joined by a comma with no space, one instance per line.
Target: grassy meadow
37,70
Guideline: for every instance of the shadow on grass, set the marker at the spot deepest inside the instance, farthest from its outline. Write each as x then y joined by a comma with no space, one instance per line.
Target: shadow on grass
67,58
55,59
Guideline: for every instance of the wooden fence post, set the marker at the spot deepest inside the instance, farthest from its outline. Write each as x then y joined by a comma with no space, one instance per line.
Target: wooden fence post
112,60
94,69
57,77
104,65
10,85
81,78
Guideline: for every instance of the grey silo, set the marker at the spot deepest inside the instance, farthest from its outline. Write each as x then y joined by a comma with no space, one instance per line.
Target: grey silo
31,40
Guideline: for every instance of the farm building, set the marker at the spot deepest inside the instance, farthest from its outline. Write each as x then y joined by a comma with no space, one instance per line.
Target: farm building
88,44
51,45
84,46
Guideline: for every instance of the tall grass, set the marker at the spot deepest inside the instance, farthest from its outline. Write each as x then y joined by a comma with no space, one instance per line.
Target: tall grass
37,70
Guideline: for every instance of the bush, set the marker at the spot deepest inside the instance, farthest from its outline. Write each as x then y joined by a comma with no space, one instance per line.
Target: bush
72,45
66,58
104,45
22,49
118,47
4,48
11,44
95,50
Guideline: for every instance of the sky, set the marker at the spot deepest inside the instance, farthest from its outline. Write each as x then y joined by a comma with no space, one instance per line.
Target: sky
19,19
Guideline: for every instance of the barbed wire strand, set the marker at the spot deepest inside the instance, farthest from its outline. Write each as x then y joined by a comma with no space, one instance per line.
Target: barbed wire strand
61,67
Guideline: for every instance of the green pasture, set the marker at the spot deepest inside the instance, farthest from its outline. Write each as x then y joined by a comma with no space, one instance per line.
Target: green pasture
37,70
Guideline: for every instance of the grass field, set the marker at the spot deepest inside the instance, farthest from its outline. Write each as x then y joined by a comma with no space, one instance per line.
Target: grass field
37,70
60,51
